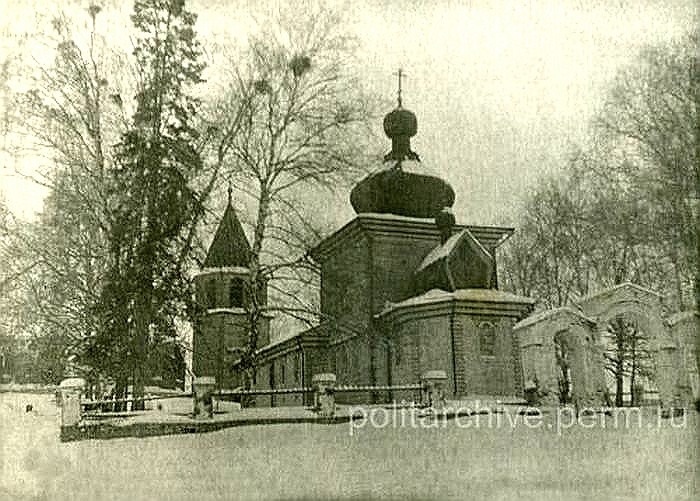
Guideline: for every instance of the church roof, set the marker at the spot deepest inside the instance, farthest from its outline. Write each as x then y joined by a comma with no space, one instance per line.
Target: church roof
490,237
230,246
435,296
445,250
461,262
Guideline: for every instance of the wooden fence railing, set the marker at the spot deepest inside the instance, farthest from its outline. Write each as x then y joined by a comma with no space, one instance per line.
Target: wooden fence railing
204,392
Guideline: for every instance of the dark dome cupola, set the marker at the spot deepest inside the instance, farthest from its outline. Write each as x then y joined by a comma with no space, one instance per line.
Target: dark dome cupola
400,125
395,190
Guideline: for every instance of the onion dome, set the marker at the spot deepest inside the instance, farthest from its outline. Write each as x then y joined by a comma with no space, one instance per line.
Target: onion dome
394,190
400,125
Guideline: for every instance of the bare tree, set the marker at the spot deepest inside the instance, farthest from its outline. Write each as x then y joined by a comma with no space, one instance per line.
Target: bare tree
74,112
67,118
550,256
650,123
627,355
303,113
653,119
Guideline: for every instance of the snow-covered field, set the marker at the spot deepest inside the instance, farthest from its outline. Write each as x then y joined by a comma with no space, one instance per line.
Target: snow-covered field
418,460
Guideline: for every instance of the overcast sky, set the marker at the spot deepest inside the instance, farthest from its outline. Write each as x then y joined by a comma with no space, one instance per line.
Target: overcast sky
502,89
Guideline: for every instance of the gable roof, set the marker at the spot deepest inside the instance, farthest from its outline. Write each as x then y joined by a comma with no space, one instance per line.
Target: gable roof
461,262
230,246
443,251
553,313
625,286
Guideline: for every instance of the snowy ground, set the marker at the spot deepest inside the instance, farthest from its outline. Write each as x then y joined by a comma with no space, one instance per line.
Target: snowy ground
401,460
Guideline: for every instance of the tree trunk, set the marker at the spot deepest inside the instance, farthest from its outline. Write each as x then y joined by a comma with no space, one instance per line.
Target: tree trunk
138,389
120,391
619,387
633,371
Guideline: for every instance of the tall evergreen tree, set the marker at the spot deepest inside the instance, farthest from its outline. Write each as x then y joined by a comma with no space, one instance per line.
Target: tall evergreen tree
154,204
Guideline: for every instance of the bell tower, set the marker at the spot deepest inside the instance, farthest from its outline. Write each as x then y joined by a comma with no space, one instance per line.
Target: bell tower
223,293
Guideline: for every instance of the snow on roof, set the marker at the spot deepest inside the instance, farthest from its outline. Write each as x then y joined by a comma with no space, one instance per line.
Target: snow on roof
438,296
237,311
239,270
393,217
610,290
316,330
543,315
444,250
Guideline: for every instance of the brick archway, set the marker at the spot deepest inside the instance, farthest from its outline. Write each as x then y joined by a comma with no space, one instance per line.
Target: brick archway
645,308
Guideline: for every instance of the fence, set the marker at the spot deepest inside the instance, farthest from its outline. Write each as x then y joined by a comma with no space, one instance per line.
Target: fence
323,387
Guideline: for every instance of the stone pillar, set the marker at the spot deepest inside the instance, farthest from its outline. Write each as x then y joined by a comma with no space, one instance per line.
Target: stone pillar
324,394
433,394
71,390
666,374
638,394
202,391
597,367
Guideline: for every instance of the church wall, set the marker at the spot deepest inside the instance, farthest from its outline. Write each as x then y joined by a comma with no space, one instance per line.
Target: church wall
260,382
289,375
283,371
395,258
206,348
318,360
222,329
315,361
345,285
220,333
479,354
421,345
435,348
351,364
489,356
213,289
382,354
405,367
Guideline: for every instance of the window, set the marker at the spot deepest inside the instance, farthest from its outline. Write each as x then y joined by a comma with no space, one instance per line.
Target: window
487,339
210,292
282,367
235,293
397,352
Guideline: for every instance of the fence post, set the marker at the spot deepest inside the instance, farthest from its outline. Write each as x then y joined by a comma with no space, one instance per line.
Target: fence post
433,392
202,396
71,390
324,394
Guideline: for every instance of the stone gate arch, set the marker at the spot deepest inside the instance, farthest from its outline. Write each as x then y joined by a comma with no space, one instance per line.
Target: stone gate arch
684,327
547,336
644,307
